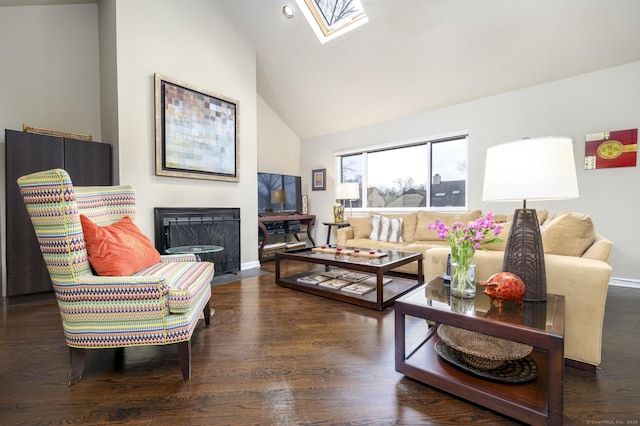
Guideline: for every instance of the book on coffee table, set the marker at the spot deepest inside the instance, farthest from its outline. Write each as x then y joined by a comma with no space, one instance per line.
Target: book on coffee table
373,280
335,283
354,276
335,272
358,288
313,279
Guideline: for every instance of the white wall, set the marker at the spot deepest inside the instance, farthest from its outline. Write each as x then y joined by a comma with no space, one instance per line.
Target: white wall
191,41
108,79
49,76
69,67
599,101
278,146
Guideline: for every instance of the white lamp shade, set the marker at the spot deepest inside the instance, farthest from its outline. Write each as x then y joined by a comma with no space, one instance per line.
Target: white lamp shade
348,191
531,169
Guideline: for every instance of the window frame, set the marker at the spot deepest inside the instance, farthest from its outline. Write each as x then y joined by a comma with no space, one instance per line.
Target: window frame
451,136
316,20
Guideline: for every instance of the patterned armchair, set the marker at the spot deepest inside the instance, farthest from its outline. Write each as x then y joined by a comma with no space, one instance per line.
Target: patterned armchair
158,305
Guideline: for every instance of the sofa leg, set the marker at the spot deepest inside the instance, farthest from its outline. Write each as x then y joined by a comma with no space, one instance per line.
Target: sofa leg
207,313
184,354
77,357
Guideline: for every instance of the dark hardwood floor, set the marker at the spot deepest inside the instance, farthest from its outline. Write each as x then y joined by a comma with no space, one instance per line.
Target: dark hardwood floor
277,356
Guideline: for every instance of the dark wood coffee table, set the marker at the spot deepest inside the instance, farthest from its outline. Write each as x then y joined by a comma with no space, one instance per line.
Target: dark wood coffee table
539,324
384,294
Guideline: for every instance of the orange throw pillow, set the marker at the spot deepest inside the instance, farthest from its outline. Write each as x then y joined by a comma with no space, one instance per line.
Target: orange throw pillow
119,249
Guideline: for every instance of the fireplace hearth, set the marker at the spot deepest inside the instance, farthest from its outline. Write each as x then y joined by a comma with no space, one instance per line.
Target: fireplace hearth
184,226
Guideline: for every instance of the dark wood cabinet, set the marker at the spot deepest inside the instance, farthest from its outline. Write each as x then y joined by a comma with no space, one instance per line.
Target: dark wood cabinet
283,225
88,163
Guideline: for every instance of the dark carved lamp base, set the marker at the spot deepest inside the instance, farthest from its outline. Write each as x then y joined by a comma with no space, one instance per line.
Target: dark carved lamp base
524,254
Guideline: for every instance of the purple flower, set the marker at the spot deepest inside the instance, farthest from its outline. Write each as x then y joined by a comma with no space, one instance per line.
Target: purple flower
465,240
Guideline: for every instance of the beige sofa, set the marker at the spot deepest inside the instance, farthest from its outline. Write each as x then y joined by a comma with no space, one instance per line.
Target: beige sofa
416,237
576,259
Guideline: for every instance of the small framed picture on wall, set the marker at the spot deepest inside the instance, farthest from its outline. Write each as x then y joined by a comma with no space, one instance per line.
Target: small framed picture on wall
318,179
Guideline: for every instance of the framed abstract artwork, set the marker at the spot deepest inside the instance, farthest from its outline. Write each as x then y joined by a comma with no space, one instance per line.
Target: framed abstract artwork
318,180
616,148
196,132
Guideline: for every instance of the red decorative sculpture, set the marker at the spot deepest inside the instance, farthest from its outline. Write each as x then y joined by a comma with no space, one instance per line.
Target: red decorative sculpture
503,287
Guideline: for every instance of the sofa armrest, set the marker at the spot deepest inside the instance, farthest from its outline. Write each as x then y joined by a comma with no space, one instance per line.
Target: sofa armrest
584,284
435,262
600,249
343,234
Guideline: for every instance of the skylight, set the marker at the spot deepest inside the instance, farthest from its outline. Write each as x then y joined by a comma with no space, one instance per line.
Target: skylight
332,18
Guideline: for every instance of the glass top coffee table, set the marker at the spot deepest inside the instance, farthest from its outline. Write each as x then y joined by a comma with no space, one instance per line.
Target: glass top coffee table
368,270
533,398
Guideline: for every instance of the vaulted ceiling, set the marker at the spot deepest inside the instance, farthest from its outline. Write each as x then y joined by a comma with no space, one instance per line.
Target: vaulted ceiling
415,55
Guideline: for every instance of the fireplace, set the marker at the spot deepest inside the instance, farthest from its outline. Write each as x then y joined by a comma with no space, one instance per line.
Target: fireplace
184,226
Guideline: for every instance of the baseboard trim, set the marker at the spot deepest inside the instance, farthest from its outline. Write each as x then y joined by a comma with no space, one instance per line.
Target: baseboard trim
250,265
624,282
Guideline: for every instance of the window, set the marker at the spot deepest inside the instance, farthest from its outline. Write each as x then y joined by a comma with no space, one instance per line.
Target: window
332,18
425,173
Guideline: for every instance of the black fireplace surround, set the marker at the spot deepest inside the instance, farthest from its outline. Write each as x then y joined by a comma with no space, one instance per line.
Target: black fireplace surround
185,226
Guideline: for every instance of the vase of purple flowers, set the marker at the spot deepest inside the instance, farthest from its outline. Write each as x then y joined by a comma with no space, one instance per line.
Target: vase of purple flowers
464,241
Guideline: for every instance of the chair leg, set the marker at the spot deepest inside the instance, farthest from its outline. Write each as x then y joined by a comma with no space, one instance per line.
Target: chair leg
184,354
118,359
207,313
77,357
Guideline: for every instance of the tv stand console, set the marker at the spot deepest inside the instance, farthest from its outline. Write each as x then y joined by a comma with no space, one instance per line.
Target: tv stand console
285,225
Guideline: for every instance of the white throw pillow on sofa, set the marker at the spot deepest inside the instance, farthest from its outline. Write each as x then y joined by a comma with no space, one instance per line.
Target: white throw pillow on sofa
385,229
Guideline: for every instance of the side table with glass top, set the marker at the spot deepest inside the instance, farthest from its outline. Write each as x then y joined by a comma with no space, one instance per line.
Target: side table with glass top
539,324
194,249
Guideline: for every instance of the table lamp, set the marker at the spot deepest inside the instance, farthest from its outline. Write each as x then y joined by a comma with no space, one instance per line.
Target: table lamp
279,196
529,169
348,191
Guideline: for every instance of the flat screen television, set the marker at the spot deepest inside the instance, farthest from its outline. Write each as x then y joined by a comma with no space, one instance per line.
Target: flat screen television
268,182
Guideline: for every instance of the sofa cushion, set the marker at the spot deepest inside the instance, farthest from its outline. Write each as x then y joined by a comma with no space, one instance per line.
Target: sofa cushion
503,235
423,233
409,223
568,234
421,247
361,226
366,243
119,249
542,216
376,224
386,229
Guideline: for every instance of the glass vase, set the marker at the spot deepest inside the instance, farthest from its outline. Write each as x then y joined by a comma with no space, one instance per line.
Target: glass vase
463,280
462,305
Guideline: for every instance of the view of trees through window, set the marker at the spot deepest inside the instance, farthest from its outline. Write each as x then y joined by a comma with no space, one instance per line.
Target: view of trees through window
335,11
425,174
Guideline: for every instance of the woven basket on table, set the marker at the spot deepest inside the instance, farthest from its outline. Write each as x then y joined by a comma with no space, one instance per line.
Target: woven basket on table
270,250
481,350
